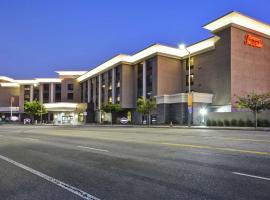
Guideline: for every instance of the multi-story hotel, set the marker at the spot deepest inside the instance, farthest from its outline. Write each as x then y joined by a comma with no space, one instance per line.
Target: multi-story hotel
234,61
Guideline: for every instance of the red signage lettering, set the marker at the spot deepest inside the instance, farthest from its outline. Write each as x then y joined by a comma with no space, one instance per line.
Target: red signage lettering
253,41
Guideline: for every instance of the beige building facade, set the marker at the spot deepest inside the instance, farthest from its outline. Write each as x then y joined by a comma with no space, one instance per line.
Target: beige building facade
233,61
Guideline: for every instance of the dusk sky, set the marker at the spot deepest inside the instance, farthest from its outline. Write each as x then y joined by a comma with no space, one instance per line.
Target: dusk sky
39,37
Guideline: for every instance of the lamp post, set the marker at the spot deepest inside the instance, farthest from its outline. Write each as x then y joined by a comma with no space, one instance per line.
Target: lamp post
190,100
11,101
41,115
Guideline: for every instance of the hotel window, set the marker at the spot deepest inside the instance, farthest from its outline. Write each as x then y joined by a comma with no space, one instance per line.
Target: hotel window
46,92
191,64
36,93
118,85
140,81
110,86
81,85
70,96
191,79
27,93
70,87
97,92
57,92
86,92
117,72
92,90
103,87
149,78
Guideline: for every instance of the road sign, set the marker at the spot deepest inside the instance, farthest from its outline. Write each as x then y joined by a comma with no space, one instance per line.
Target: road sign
190,100
124,120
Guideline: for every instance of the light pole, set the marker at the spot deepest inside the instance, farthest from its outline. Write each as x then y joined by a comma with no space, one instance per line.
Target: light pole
41,115
11,101
190,100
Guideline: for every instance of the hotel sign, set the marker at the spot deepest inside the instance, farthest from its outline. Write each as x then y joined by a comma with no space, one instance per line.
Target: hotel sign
253,41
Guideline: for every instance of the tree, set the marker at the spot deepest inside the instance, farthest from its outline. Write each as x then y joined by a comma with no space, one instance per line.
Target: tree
34,108
111,108
254,102
146,107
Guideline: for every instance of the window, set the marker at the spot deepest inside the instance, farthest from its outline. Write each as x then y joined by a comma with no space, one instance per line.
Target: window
86,92
27,93
81,92
191,79
191,63
149,79
46,92
57,92
70,96
140,81
97,92
36,93
92,90
70,87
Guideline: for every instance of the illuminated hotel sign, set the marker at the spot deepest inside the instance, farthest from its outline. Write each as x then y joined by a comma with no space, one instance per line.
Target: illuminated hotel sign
253,41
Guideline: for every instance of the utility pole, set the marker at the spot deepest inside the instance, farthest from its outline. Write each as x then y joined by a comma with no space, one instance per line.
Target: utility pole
190,97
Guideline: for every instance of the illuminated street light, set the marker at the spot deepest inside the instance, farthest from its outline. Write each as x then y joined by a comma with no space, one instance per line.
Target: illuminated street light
182,46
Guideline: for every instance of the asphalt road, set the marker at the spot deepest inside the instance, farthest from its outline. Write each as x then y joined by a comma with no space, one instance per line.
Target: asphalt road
133,163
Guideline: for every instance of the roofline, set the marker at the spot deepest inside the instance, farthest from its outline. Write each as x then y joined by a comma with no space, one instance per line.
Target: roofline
153,49
239,19
220,17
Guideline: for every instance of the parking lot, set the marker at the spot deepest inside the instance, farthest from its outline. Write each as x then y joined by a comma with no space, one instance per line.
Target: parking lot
47,162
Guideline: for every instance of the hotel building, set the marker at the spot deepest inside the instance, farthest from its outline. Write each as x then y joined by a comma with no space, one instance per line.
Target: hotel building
235,60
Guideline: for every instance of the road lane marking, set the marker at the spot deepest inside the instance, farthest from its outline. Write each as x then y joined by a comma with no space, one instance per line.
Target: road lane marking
216,148
28,138
57,182
252,176
243,139
103,150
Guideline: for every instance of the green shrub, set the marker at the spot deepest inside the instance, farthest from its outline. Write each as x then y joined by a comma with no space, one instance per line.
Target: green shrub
208,122
241,123
213,123
226,122
263,123
249,123
220,123
266,123
234,122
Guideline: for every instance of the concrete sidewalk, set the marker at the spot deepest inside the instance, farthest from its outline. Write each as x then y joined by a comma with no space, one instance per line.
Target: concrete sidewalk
151,126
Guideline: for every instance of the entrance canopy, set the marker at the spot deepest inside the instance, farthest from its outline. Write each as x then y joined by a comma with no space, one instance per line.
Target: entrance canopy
65,107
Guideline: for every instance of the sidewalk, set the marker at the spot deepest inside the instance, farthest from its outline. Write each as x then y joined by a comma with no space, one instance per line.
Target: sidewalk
146,126
181,127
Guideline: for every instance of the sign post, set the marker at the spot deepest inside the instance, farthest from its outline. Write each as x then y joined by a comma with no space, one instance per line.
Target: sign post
190,105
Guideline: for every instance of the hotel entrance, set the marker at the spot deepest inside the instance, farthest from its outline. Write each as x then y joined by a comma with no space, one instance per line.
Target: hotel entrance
66,113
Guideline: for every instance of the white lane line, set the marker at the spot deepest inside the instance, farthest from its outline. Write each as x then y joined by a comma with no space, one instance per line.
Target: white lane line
103,150
59,183
252,176
27,138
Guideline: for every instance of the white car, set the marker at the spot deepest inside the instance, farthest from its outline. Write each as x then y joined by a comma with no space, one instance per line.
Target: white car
14,118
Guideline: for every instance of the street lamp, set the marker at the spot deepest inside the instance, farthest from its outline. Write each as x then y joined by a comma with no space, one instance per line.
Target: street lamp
190,100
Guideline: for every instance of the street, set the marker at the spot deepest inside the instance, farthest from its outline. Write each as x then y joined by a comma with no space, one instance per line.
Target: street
117,163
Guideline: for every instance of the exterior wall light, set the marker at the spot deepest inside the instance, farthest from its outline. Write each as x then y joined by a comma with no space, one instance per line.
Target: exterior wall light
203,112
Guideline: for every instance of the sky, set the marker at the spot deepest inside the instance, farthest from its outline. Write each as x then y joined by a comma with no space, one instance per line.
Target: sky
38,37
